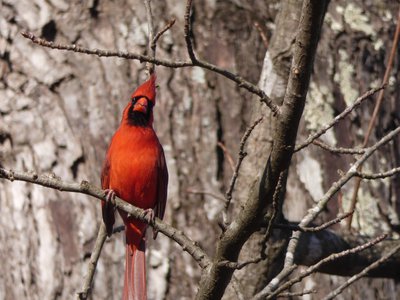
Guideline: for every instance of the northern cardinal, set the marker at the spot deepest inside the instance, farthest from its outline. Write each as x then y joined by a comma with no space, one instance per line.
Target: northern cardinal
135,170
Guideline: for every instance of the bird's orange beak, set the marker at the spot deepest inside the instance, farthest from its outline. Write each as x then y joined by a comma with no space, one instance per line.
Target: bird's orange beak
141,105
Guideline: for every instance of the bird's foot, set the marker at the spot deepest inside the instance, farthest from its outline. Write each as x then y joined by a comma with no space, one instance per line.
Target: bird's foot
110,196
149,215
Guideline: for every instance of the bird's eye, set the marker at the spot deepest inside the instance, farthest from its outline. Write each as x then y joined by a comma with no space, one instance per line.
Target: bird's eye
134,99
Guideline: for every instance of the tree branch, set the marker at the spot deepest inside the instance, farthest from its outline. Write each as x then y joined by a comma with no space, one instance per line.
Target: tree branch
374,176
94,258
338,150
85,187
241,82
315,267
339,117
292,227
150,25
242,155
364,272
215,279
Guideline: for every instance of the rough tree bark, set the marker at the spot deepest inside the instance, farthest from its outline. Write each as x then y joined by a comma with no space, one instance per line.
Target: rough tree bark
58,111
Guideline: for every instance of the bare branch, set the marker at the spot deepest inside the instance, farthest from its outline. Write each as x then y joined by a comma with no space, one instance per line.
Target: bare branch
106,53
227,154
338,219
238,265
94,258
364,272
85,187
241,156
150,26
299,294
267,292
241,82
275,199
338,150
262,34
161,32
189,33
373,176
339,117
275,282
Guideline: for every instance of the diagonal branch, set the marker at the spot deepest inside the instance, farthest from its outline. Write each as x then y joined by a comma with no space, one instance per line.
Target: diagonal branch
292,227
85,187
338,150
339,117
94,258
315,267
364,272
160,33
374,176
242,155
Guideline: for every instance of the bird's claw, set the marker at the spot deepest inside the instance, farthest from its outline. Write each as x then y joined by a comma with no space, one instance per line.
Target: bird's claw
149,215
110,196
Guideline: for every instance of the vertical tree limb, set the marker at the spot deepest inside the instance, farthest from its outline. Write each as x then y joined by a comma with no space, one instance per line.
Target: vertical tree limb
215,278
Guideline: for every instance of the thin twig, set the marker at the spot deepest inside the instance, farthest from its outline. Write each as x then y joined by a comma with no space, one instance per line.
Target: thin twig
371,124
105,53
364,272
150,27
374,176
238,265
85,187
242,154
339,117
188,32
228,155
94,258
275,282
161,32
275,199
338,150
241,82
316,266
262,34
338,219
298,294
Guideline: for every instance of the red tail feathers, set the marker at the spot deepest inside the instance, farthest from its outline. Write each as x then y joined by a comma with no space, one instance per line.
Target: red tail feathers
135,273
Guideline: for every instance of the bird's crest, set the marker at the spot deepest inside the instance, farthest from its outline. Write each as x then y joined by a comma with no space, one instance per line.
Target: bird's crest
147,89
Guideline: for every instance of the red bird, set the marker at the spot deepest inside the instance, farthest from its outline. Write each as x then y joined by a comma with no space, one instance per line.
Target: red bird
135,170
